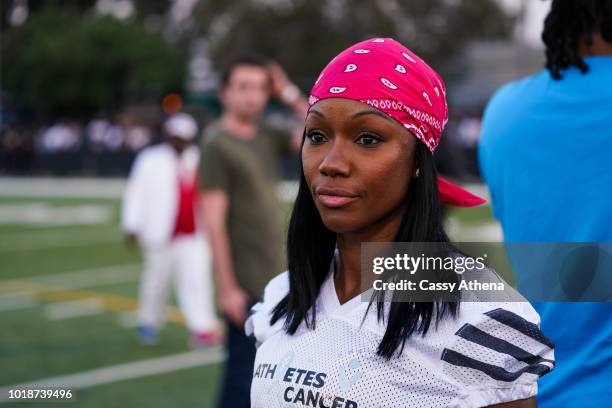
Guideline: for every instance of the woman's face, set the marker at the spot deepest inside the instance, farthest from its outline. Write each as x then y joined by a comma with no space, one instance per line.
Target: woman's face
358,164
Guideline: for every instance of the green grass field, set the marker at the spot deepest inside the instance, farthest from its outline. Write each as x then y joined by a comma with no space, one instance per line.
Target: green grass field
68,289
43,333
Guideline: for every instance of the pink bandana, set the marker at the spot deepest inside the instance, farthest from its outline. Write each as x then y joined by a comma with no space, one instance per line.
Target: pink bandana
388,76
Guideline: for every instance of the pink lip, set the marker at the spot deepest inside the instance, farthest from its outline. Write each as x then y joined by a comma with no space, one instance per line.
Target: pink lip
335,198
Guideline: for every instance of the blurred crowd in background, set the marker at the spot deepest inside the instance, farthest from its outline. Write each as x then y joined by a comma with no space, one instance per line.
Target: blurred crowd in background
84,100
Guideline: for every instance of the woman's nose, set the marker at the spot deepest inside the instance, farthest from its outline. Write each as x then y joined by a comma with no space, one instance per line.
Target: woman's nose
336,161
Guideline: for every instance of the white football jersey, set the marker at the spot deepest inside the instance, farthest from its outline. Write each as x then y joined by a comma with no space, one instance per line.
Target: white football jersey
489,354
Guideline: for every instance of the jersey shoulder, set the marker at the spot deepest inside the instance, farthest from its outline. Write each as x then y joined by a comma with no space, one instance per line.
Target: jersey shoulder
493,352
497,352
258,323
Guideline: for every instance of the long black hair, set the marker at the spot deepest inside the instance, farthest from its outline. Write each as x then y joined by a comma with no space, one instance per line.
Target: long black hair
310,250
569,21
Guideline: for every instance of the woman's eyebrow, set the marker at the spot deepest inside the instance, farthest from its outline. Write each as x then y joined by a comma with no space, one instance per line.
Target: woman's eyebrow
372,112
316,112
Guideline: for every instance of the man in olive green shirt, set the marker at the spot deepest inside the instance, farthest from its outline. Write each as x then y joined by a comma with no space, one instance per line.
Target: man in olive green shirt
239,166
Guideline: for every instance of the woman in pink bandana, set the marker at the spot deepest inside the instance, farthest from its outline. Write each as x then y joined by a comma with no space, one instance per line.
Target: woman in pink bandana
377,112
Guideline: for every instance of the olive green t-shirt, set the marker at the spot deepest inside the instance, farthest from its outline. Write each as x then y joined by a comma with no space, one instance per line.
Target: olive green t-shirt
247,170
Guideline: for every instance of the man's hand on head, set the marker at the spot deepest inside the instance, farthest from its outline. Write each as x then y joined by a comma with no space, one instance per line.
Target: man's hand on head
280,80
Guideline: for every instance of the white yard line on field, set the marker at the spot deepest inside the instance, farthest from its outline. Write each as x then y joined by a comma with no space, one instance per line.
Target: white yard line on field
39,187
66,187
74,241
40,213
73,290
482,232
44,234
123,372
75,308
83,278
86,278
16,301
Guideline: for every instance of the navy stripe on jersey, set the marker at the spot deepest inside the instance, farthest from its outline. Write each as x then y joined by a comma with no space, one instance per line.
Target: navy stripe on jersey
495,372
475,335
518,323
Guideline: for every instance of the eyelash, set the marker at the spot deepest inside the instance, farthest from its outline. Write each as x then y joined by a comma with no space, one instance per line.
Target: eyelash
373,136
310,135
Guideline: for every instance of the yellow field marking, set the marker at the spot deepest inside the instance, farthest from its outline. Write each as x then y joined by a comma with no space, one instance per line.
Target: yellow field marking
108,301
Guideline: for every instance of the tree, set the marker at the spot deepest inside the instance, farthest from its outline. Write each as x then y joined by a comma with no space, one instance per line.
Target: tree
303,35
62,63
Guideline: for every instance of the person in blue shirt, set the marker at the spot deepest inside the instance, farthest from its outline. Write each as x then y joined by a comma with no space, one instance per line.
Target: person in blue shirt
546,154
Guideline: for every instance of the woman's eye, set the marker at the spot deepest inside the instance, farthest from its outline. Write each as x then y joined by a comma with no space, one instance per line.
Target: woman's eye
315,137
368,139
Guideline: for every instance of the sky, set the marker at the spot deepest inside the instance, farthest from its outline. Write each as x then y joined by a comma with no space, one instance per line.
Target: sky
529,28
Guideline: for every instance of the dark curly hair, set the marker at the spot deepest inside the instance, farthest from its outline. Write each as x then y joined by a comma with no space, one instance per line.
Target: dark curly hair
569,21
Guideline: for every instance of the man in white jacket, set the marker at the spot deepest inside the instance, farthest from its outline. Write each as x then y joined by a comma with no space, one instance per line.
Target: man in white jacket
159,214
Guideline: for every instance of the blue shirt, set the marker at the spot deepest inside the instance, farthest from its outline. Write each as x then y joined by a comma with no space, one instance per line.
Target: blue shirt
546,154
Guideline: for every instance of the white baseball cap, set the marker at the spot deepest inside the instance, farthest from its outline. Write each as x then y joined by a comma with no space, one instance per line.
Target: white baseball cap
181,125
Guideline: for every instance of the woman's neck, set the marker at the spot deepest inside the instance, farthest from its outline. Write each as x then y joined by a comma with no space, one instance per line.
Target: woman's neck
348,278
